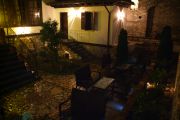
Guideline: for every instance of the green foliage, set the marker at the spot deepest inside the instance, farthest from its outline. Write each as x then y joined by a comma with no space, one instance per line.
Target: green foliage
50,34
151,105
165,49
158,76
122,48
51,37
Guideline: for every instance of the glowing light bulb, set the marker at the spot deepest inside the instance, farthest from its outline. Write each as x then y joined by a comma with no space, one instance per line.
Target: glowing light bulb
120,15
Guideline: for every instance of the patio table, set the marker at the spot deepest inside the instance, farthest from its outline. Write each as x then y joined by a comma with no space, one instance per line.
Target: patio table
104,83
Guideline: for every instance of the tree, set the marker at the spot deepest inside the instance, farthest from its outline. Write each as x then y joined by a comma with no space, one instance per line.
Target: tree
122,48
149,106
158,77
50,35
51,38
165,49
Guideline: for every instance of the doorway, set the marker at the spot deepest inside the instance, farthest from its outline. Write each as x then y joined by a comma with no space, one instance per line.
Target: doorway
64,24
150,18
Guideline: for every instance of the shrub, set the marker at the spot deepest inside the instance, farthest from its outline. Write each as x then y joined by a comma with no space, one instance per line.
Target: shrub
158,76
122,48
50,34
165,49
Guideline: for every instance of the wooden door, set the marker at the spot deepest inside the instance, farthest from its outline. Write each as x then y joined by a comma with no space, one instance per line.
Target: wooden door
149,25
64,23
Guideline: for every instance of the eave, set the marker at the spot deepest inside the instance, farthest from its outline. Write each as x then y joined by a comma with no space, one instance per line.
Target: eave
85,3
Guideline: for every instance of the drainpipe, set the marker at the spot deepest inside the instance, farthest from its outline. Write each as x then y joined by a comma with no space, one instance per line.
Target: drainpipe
108,34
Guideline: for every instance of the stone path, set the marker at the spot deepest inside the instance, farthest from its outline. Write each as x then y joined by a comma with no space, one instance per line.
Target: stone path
42,97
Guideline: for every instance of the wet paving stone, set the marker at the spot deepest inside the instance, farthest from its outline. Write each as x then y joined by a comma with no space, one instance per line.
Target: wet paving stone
40,98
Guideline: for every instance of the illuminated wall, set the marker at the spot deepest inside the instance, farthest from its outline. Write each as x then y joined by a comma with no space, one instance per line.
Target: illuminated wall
49,12
134,21
98,36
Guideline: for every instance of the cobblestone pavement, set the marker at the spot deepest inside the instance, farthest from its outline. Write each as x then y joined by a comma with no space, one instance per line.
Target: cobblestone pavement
42,97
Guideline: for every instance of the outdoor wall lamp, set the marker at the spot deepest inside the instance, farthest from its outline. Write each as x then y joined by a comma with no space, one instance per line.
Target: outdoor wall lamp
120,15
75,12
37,14
135,6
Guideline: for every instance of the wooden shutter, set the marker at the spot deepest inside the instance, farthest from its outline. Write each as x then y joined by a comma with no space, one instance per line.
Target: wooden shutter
89,21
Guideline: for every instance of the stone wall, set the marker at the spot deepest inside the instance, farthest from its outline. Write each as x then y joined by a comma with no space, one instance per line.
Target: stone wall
166,13
135,21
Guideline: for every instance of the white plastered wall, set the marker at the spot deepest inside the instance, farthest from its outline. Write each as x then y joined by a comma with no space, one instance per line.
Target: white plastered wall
98,36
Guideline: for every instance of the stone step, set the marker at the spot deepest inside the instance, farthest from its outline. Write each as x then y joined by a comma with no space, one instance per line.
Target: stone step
9,69
12,74
16,79
7,53
19,84
80,50
8,58
10,63
4,48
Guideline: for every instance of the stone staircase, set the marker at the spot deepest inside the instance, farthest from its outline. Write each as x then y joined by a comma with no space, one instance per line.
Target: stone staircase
79,49
13,73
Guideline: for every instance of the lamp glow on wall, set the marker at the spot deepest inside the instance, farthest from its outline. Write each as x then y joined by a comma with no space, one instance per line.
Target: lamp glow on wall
22,30
120,15
75,12
135,6
37,14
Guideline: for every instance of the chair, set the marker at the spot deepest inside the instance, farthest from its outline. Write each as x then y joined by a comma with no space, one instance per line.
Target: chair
85,106
83,77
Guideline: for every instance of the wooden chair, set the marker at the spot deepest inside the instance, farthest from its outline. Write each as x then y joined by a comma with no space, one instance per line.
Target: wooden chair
84,77
85,106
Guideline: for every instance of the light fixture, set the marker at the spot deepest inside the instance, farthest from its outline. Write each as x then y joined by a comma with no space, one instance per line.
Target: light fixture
37,14
135,6
120,15
75,12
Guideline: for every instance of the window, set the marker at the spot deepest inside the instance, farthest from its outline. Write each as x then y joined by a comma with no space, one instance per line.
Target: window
89,20
8,13
30,12
20,12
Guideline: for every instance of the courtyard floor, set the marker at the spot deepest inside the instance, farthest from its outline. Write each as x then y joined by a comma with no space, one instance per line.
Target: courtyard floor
42,97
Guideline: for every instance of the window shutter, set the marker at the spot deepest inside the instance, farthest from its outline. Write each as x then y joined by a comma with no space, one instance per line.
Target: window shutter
89,21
